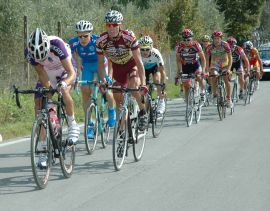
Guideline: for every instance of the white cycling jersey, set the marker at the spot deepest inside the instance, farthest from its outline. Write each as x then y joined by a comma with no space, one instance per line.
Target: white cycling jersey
154,59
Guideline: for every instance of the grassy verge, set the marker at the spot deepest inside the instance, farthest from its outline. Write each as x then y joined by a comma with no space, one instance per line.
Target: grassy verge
15,122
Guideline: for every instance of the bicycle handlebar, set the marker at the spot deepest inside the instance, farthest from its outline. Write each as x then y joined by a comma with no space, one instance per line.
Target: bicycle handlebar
123,88
41,90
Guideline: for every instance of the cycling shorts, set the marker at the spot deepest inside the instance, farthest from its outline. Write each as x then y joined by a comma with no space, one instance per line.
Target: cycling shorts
148,72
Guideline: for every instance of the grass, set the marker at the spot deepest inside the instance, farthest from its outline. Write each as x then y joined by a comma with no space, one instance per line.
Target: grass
16,122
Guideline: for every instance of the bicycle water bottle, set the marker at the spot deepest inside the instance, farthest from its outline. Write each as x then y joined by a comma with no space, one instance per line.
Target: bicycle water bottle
54,119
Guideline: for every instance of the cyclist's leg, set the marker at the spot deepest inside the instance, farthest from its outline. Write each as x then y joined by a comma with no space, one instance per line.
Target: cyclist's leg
226,79
87,75
213,72
241,80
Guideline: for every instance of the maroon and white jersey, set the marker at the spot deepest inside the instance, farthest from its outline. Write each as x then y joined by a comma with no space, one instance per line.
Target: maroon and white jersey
118,51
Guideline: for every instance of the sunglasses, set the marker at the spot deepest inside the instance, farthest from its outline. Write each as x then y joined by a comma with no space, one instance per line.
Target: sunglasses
112,25
145,49
187,39
83,36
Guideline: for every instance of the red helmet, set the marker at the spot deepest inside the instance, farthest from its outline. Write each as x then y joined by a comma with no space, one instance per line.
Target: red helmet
217,34
186,33
232,41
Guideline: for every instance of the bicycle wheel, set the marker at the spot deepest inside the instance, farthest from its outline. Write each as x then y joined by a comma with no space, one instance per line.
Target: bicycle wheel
91,127
251,90
246,92
40,133
104,127
198,107
66,151
190,107
234,97
221,107
120,137
157,119
138,139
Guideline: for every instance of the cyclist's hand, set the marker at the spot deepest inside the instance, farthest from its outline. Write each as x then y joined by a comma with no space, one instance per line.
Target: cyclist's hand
176,80
103,87
143,90
62,85
109,80
205,75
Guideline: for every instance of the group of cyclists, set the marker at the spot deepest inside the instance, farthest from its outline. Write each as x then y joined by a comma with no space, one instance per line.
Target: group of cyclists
113,57
215,56
117,58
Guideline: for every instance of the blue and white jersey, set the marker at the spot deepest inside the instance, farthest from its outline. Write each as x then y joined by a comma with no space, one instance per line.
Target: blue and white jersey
154,59
86,53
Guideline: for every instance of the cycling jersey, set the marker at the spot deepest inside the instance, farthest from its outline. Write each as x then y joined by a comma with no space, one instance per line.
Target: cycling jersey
237,62
88,57
59,50
118,51
253,56
86,53
189,54
154,59
219,57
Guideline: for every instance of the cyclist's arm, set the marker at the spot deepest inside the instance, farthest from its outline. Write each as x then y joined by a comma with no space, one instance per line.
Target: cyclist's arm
260,62
110,69
42,76
137,57
162,73
202,57
230,61
246,62
67,64
78,61
101,67
179,64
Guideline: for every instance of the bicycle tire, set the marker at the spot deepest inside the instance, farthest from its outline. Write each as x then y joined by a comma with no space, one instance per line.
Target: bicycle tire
198,106
234,97
190,107
139,138
103,126
246,92
158,119
91,117
67,152
41,176
120,138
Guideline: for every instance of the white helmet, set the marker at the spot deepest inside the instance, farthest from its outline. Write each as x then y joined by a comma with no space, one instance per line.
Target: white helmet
248,45
39,45
114,16
146,42
83,26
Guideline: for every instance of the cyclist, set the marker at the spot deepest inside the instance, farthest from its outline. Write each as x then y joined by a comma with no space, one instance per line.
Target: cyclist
254,60
52,60
83,46
238,56
122,49
221,60
153,65
206,41
190,59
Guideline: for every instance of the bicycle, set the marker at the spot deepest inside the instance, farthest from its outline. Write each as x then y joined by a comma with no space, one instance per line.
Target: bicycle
96,119
221,95
193,101
57,144
155,119
250,87
126,131
234,95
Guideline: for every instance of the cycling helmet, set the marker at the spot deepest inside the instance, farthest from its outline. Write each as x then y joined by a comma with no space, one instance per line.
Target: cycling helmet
39,45
248,45
114,16
146,42
83,26
186,33
217,34
232,41
206,38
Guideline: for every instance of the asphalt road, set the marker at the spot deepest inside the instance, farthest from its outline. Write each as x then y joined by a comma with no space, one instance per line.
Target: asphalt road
214,165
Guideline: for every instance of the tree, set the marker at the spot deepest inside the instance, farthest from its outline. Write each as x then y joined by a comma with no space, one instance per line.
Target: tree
241,16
